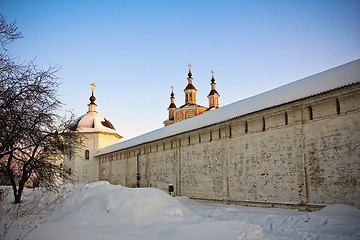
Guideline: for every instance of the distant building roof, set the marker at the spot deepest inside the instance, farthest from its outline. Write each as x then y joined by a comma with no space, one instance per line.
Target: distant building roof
190,86
331,79
190,105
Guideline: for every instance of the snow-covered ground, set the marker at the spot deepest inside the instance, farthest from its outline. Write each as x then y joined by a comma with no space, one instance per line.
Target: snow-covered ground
104,211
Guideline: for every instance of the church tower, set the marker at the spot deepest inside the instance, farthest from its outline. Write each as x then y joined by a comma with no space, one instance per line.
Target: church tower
171,109
213,95
96,132
190,90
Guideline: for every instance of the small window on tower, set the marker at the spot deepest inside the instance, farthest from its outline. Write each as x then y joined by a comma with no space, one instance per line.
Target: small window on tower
87,154
310,113
337,106
264,124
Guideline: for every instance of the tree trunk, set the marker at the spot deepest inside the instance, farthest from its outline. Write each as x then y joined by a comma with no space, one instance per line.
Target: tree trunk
25,176
11,176
18,194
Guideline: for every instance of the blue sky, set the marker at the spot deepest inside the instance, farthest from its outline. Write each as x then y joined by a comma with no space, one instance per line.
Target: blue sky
135,50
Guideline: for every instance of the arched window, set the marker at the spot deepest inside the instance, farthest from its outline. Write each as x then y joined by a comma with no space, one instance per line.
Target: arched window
87,154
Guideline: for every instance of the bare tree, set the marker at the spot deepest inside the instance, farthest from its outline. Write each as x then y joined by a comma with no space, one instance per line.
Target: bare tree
8,32
33,137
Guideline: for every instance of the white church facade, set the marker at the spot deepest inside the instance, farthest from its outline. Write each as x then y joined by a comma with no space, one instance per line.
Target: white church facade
294,146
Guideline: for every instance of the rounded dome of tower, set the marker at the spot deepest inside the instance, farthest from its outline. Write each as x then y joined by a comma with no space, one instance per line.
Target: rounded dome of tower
92,122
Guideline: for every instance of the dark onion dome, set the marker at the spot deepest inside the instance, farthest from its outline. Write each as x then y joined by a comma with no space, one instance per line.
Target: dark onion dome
172,104
92,122
213,91
189,74
92,98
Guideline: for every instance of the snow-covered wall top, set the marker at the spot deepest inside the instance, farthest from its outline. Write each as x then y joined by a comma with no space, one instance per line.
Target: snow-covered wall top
337,77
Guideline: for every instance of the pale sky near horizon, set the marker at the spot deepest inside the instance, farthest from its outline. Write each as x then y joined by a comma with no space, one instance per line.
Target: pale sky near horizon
135,50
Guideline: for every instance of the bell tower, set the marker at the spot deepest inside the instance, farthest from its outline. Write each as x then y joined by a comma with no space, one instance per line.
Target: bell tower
172,105
190,90
213,95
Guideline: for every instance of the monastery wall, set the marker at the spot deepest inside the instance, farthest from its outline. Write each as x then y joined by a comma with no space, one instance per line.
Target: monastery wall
301,154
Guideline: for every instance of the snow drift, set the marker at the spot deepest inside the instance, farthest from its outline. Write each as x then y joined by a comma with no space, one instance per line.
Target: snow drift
103,211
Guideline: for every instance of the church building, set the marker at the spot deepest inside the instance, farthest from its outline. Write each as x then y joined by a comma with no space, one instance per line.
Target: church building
190,108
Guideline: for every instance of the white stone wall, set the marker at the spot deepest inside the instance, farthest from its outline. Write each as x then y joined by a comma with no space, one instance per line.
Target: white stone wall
87,170
299,161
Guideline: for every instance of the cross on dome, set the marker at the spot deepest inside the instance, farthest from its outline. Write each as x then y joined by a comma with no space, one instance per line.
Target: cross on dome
93,86
190,66
212,73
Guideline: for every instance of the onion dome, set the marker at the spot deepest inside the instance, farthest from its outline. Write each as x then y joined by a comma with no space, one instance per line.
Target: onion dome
190,85
92,98
189,74
213,90
172,103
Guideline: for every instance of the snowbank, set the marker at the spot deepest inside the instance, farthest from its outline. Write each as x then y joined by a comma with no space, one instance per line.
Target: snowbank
103,211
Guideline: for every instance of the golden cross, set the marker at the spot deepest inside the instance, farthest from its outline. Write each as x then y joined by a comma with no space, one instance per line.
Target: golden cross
212,73
190,66
172,88
93,86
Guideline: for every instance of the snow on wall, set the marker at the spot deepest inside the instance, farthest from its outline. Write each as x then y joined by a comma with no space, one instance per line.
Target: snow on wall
331,79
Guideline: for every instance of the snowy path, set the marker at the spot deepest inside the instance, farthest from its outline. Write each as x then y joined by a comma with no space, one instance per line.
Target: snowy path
103,211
